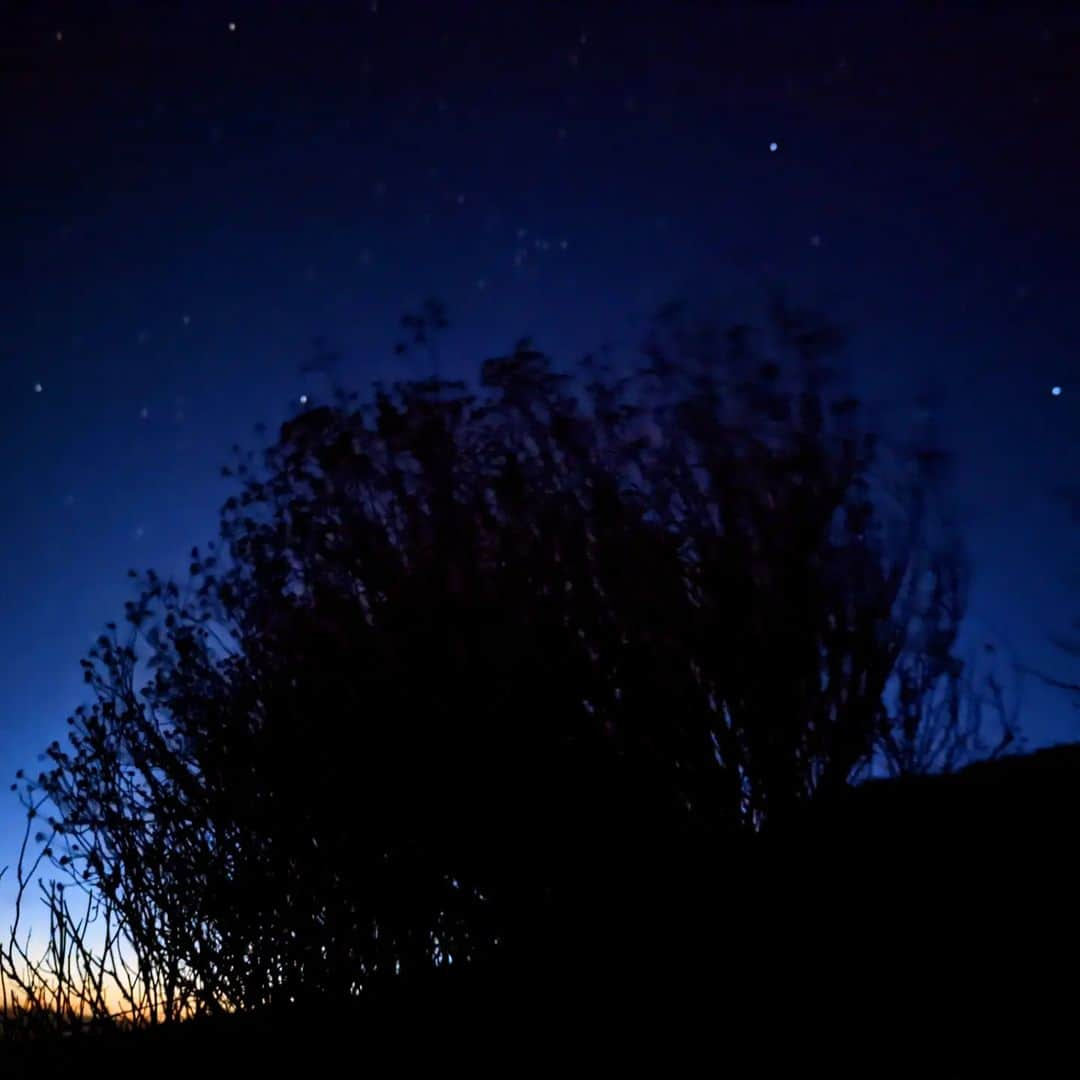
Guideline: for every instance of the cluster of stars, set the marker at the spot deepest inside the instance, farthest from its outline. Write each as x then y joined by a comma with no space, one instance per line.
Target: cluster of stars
521,254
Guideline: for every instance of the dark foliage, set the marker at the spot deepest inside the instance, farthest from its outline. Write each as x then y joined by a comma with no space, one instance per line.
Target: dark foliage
507,681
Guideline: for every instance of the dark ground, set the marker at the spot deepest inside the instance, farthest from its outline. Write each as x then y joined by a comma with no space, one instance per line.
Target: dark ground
939,902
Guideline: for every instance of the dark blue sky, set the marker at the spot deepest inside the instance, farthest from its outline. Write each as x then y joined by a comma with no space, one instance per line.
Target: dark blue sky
186,206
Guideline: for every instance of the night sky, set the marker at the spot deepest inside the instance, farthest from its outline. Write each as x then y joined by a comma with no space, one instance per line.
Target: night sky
192,192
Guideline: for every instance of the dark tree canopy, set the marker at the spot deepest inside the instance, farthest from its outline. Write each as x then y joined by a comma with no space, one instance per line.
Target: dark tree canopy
463,661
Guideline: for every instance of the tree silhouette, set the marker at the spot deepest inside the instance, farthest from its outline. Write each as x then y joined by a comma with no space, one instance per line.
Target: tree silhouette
468,670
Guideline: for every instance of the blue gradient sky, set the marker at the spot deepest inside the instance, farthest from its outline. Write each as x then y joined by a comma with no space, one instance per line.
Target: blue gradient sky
185,207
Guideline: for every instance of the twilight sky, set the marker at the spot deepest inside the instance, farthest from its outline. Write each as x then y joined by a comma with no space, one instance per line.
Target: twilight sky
191,193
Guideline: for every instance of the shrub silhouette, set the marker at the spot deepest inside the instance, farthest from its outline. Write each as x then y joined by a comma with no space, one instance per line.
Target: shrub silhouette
471,677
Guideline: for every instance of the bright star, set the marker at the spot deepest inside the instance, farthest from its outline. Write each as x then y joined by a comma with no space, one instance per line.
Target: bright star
773,147
38,388
303,399
1056,391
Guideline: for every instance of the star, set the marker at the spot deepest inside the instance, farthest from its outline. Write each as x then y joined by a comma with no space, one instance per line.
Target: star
232,28
1056,391
38,388
303,399
815,240
773,147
